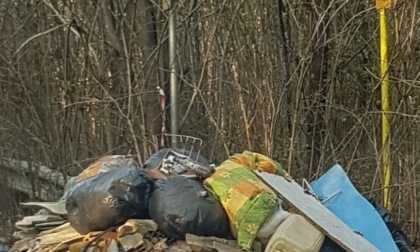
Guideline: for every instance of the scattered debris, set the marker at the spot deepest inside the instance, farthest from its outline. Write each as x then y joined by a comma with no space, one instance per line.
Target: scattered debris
30,227
318,214
137,235
339,196
177,202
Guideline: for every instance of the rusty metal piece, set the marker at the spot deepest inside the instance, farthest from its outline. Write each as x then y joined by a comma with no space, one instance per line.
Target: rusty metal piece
154,236
152,241
160,246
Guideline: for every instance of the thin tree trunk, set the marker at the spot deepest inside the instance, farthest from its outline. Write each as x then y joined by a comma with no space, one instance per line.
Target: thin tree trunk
316,90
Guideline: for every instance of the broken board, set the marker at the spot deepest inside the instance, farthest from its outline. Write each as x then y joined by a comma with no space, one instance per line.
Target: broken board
317,214
29,221
51,207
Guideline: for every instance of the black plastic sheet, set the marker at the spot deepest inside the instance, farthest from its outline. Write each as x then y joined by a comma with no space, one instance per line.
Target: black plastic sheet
401,240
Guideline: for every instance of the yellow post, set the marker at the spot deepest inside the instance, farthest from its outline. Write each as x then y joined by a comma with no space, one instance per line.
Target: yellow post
381,5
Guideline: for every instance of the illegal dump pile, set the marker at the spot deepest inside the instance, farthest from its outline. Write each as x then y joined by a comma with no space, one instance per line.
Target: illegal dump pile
178,201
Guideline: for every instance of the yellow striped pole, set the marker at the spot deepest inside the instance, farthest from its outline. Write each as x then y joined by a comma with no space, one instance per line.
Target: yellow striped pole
382,5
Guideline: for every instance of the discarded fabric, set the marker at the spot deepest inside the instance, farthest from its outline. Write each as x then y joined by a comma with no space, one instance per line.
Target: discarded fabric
247,200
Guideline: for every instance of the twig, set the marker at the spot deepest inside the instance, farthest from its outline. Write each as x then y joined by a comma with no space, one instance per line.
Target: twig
37,36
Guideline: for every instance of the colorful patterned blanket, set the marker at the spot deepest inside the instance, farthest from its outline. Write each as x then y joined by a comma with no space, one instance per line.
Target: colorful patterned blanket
247,201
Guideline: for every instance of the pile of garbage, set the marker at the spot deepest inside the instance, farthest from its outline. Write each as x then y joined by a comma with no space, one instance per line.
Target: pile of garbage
178,201
50,217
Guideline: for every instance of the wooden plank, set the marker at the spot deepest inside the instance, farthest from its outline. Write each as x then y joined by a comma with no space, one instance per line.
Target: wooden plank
317,214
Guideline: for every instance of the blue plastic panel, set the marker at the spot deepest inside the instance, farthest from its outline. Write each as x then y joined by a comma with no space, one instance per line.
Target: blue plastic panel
343,200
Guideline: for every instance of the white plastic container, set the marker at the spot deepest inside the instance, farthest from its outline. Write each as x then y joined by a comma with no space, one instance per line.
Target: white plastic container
273,222
296,234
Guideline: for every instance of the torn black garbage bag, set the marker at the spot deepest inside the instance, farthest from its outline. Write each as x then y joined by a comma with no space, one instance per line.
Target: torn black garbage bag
109,199
179,206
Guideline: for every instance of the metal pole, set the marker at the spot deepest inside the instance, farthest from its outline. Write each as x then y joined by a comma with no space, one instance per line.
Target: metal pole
386,157
173,79
381,6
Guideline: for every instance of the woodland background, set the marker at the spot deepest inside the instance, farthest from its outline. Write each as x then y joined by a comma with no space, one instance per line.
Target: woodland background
296,80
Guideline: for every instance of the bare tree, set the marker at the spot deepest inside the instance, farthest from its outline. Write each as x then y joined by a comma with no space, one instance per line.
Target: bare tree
296,80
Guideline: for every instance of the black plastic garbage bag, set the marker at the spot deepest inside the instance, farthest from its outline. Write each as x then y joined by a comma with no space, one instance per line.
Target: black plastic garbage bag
109,199
179,206
401,240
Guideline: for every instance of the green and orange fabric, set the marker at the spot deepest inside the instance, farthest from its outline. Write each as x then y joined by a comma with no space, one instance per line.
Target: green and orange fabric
247,201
